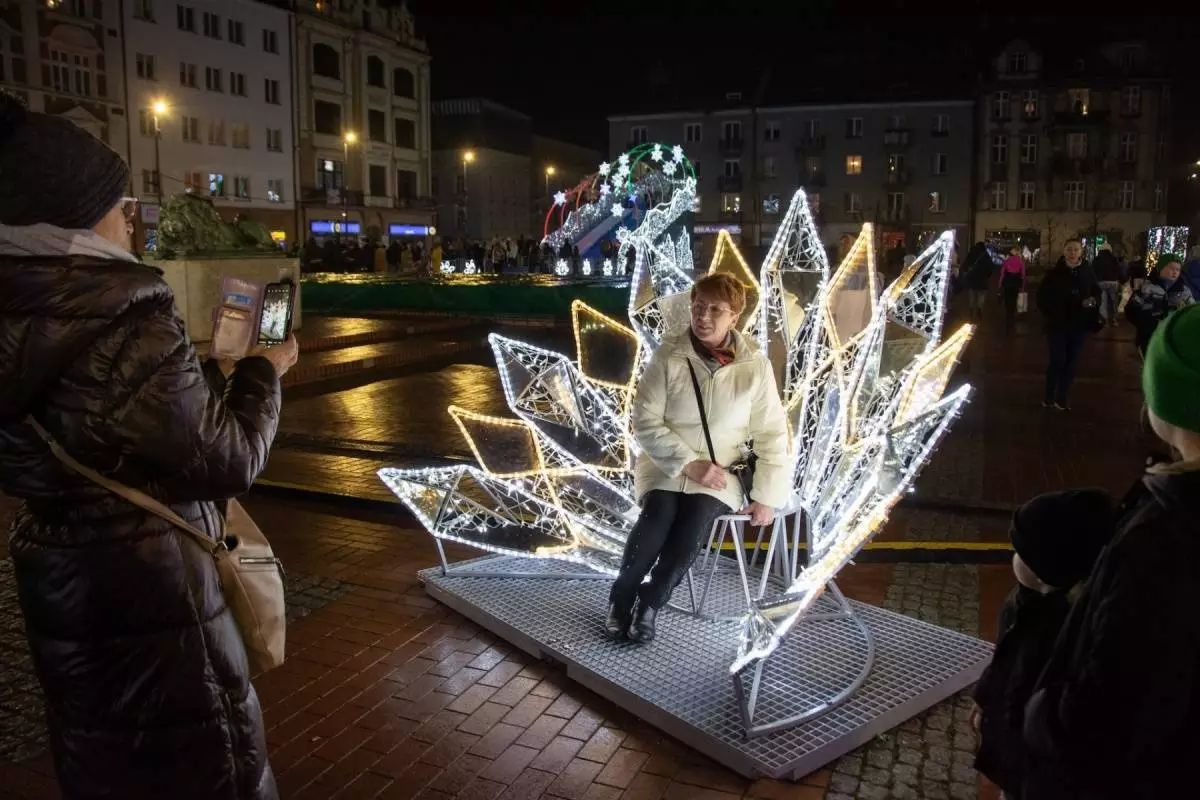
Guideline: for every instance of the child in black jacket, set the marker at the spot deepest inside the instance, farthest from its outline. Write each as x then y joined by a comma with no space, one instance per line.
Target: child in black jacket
1057,538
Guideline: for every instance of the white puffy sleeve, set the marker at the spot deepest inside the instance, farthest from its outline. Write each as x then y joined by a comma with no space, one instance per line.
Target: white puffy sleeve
768,429
658,441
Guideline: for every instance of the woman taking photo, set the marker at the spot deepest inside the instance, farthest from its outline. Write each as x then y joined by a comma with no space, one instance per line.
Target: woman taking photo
707,376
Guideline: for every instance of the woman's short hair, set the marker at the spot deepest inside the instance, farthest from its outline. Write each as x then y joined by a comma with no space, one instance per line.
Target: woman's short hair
722,286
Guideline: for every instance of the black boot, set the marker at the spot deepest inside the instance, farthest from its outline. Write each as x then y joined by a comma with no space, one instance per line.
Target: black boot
642,629
617,624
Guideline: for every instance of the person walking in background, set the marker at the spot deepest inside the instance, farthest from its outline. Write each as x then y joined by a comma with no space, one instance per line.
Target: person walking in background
1012,284
1191,272
146,685
1116,712
1161,293
1067,299
435,257
1108,277
977,274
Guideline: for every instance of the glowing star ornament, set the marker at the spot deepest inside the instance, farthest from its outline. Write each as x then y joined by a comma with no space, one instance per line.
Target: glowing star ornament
657,153
605,167
618,210
669,167
560,198
605,189
677,152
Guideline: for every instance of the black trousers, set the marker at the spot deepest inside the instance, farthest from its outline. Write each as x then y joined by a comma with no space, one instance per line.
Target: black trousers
1065,347
667,538
1011,286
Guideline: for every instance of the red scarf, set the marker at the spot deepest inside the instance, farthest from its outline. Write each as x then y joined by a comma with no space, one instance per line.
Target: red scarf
722,355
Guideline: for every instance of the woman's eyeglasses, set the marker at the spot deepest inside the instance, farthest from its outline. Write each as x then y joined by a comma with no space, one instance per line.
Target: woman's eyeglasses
702,310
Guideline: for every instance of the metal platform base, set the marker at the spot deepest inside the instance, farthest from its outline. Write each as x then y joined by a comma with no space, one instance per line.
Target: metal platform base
680,683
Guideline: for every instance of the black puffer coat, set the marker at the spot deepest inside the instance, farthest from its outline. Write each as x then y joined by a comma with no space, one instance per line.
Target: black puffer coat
147,688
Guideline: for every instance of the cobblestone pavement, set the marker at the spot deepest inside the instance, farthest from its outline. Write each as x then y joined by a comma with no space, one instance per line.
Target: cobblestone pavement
387,694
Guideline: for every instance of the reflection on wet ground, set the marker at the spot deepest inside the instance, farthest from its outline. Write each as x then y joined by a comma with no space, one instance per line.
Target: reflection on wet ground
459,279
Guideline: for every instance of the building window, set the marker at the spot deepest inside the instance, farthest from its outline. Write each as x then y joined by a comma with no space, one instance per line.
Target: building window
143,10
1029,104
1074,195
1160,196
213,80
402,83
812,128
1129,58
460,184
275,190
771,132
854,165
854,128
237,83
193,182
326,62
733,167
149,182
937,203
377,180
1016,62
897,122
185,18
406,184
275,140
812,166
376,125
271,90
216,184
145,122
895,205
999,149
1000,103
1160,149
768,166
216,133
70,73
327,118
1029,148
406,132
999,197
731,132
212,25
771,204
1128,148
731,204
191,129
187,75
241,187
1080,101
1028,191
853,203
637,134
895,164
329,174
270,41
239,136
938,164
145,66
941,124
237,32
376,72
1131,100
692,132
1125,196
1077,145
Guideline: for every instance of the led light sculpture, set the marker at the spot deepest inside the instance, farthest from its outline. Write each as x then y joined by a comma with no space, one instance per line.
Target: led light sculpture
862,372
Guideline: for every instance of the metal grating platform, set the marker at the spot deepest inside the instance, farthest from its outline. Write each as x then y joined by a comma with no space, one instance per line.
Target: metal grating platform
680,683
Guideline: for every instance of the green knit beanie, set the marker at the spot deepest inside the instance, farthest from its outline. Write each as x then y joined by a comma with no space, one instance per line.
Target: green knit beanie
1171,374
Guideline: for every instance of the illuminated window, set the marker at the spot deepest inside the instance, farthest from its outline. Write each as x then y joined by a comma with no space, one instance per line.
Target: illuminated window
216,184
854,165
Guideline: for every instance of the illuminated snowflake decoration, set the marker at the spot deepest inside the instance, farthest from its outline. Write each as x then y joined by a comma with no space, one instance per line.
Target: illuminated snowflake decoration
560,198
447,268
469,268
862,371
561,267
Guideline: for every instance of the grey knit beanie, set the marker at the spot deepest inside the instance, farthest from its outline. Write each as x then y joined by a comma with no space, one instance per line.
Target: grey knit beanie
53,171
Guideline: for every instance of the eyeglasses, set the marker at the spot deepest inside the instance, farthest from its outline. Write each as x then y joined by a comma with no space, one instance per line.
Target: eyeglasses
129,207
702,310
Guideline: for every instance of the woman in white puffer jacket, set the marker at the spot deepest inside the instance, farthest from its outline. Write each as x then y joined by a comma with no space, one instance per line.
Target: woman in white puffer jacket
679,487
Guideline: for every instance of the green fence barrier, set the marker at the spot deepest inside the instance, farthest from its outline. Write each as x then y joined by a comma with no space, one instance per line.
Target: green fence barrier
531,296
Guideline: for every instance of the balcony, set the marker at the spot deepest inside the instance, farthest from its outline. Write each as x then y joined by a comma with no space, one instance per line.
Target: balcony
731,146
416,203
731,212
809,144
897,137
729,183
1081,119
897,177
895,214
320,196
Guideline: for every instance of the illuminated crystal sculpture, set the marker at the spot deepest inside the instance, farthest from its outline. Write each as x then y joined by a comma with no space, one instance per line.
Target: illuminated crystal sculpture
862,372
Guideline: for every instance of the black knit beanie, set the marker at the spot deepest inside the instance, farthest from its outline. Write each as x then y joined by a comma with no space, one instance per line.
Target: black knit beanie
1059,535
53,171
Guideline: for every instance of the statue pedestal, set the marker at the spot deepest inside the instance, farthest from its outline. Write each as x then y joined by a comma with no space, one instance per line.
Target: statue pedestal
196,283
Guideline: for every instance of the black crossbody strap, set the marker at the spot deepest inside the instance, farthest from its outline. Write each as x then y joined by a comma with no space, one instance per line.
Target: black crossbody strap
712,456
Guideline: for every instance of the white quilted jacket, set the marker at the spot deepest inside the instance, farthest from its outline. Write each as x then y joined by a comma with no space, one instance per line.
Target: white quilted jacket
742,404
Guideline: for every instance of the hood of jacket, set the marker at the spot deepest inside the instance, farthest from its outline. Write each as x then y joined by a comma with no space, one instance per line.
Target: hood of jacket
52,308
1176,491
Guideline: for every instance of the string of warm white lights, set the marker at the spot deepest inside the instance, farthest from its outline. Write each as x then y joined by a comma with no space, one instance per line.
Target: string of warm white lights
862,372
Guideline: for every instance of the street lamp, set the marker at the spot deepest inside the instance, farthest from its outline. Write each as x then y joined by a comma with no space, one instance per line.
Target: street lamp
549,172
348,138
468,157
158,110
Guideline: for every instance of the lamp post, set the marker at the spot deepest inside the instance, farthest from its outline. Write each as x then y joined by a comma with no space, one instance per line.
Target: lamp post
550,170
158,109
468,157
348,138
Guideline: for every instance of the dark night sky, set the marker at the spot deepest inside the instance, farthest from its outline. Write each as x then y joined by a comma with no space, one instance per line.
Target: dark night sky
570,64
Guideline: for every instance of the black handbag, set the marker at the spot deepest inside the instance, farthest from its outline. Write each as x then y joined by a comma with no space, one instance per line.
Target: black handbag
743,468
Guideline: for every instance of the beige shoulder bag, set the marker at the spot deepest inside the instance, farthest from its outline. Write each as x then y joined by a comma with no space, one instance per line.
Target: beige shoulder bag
250,574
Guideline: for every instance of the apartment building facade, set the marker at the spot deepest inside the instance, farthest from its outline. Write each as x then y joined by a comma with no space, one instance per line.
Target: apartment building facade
64,57
904,166
210,109
1074,146
362,119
